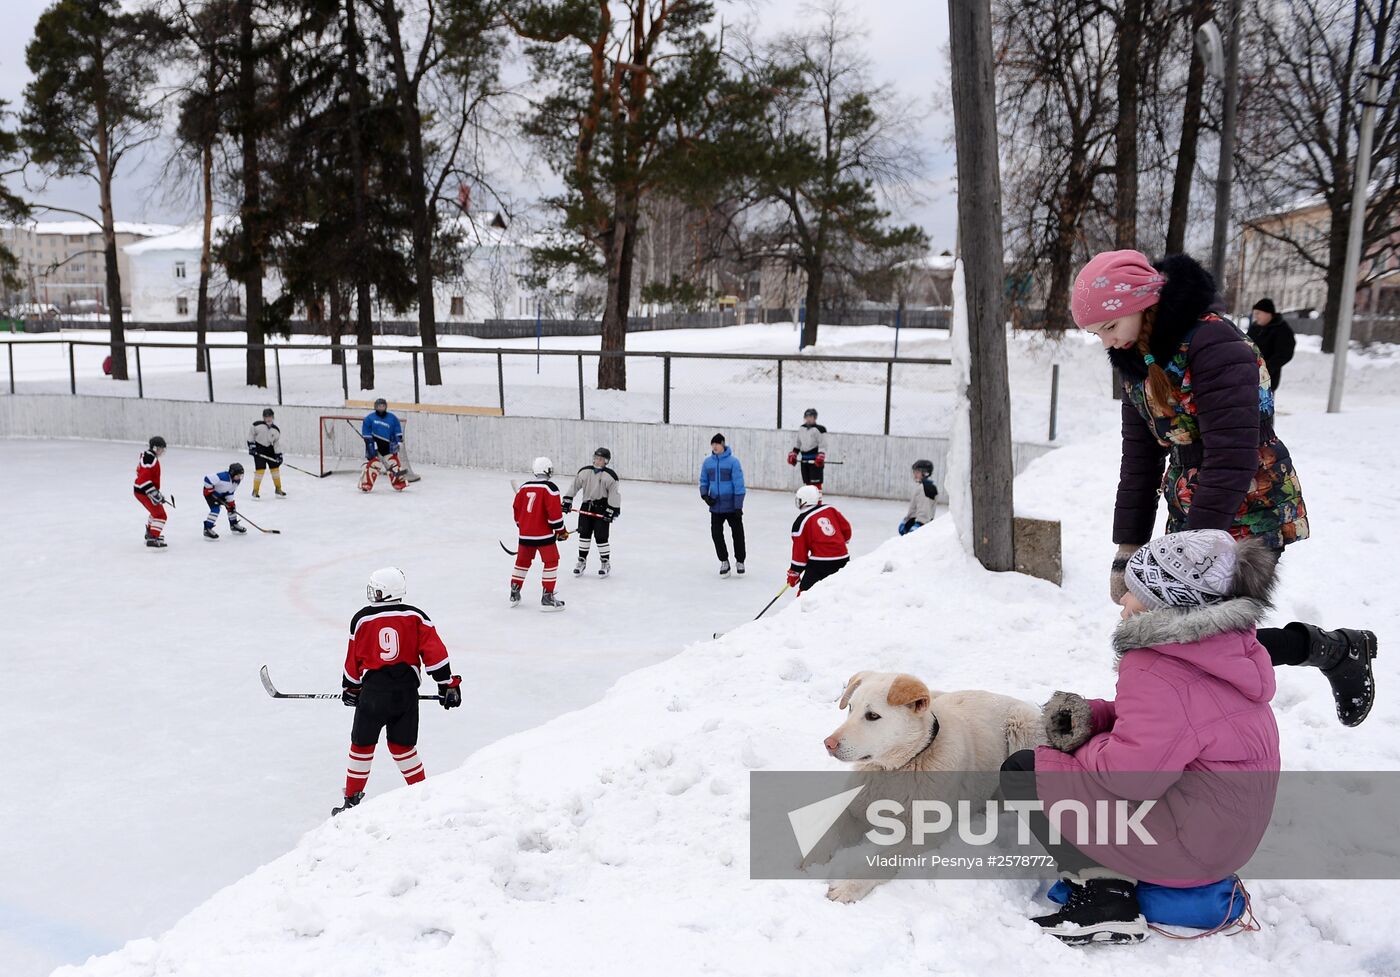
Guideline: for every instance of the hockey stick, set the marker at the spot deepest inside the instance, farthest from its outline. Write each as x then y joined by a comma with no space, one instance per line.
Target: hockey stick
287,464
765,608
507,549
272,691
272,532
556,539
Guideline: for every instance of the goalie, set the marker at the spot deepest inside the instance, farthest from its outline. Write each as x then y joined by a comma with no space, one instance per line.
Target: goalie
383,434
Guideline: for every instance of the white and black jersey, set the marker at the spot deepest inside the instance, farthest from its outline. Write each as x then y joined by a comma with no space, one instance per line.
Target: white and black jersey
265,435
595,490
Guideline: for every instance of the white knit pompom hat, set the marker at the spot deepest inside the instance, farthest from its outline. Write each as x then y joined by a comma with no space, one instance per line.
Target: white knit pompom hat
1186,569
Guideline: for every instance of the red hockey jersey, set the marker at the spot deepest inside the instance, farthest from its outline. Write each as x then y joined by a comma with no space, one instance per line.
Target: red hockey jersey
147,474
818,535
538,512
382,635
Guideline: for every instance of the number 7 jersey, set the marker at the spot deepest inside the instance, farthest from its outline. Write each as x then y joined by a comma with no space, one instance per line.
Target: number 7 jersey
382,635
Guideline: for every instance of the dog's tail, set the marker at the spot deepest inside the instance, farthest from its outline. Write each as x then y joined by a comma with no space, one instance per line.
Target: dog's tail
1024,729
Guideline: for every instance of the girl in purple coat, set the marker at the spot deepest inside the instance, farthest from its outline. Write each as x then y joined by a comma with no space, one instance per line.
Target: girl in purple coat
1198,402
1190,729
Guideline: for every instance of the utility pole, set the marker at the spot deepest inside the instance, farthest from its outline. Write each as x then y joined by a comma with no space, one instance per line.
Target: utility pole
1359,197
980,247
1225,174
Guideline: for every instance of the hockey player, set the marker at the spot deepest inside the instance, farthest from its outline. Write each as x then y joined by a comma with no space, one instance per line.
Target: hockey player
147,491
539,518
383,434
810,448
819,537
389,642
601,503
263,437
921,503
218,492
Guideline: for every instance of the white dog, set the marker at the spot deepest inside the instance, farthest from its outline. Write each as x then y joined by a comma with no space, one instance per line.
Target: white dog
897,724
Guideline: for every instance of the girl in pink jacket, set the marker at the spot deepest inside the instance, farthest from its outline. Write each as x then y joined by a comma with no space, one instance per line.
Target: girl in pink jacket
1190,731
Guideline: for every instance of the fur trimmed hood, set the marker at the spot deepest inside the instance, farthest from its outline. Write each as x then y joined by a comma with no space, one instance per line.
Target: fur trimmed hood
1188,294
1177,626
1217,639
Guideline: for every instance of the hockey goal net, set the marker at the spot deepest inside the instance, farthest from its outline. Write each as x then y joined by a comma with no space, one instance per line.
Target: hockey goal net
343,447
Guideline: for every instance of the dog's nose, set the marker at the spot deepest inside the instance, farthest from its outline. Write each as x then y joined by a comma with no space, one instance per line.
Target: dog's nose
831,743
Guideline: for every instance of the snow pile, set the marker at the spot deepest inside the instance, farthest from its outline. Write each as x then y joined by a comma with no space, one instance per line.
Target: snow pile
614,839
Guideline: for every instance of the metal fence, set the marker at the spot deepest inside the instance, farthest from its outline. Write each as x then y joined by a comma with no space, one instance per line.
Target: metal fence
855,394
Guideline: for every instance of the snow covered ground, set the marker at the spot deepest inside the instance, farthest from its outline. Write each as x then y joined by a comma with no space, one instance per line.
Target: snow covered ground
612,838
152,767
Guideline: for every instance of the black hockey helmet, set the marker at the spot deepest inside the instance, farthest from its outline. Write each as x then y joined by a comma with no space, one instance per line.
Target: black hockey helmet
156,442
603,453
923,465
268,412
381,404
235,470
809,412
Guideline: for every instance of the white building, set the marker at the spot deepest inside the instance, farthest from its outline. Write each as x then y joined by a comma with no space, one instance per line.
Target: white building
165,277
62,263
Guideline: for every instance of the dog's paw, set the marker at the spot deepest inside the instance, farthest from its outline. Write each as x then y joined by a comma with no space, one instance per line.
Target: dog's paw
850,890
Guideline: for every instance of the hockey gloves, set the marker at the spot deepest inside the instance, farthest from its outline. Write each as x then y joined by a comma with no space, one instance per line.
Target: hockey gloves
350,695
820,460
568,504
253,448
792,457
613,513
369,449
794,577
451,692
561,534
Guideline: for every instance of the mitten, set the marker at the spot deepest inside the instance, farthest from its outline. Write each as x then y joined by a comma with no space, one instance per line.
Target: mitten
1068,720
1116,586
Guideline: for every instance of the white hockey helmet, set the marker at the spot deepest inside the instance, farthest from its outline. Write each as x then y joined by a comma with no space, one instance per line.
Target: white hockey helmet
542,467
386,585
808,496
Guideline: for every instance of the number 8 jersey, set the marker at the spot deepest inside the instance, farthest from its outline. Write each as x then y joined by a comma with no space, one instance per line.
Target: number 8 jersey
819,535
384,635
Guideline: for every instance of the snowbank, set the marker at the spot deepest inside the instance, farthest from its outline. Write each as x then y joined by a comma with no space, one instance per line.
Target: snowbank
614,839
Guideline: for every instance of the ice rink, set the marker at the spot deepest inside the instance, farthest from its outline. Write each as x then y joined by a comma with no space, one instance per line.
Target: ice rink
153,767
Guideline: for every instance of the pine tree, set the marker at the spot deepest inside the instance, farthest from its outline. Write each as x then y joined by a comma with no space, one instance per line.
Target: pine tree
89,105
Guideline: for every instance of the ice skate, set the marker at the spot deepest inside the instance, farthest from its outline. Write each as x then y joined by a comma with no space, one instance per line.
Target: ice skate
724,568
549,602
514,594
350,801
210,534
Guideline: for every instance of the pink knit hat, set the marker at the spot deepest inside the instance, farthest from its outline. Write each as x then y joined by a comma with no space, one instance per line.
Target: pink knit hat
1114,283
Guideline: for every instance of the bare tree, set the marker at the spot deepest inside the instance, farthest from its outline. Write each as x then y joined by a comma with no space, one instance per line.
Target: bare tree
1300,124
1056,68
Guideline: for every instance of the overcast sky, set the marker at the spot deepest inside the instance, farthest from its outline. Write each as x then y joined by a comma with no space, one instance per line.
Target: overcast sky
906,42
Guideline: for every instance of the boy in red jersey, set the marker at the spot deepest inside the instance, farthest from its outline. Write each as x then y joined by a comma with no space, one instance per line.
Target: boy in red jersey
147,491
389,642
539,518
819,537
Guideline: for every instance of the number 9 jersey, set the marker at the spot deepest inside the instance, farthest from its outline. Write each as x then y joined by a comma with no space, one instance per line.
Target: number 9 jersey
385,635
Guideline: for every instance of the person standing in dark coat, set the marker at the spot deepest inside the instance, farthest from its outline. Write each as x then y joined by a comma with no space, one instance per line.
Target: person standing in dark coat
1196,402
1273,337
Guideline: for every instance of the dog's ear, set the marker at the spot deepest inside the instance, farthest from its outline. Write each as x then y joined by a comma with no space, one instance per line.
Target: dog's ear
851,684
906,690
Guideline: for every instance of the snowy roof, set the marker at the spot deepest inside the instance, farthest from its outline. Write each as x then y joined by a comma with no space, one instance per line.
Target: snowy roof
139,228
931,262
187,238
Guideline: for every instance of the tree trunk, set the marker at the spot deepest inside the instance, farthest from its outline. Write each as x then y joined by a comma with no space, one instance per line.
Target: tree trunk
980,244
109,238
201,318
1338,229
407,91
622,249
339,301
1190,136
812,318
354,84
250,213
1125,135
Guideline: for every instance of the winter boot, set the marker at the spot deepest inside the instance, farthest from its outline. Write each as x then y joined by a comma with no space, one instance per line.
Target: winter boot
514,594
551,603
239,528
1098,911
350,801
739,569
210,534
605,567
580,565
724,568
1344,655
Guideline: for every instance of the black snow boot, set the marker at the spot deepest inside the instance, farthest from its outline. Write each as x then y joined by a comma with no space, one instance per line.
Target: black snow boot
1344,655
350,801
1098,911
